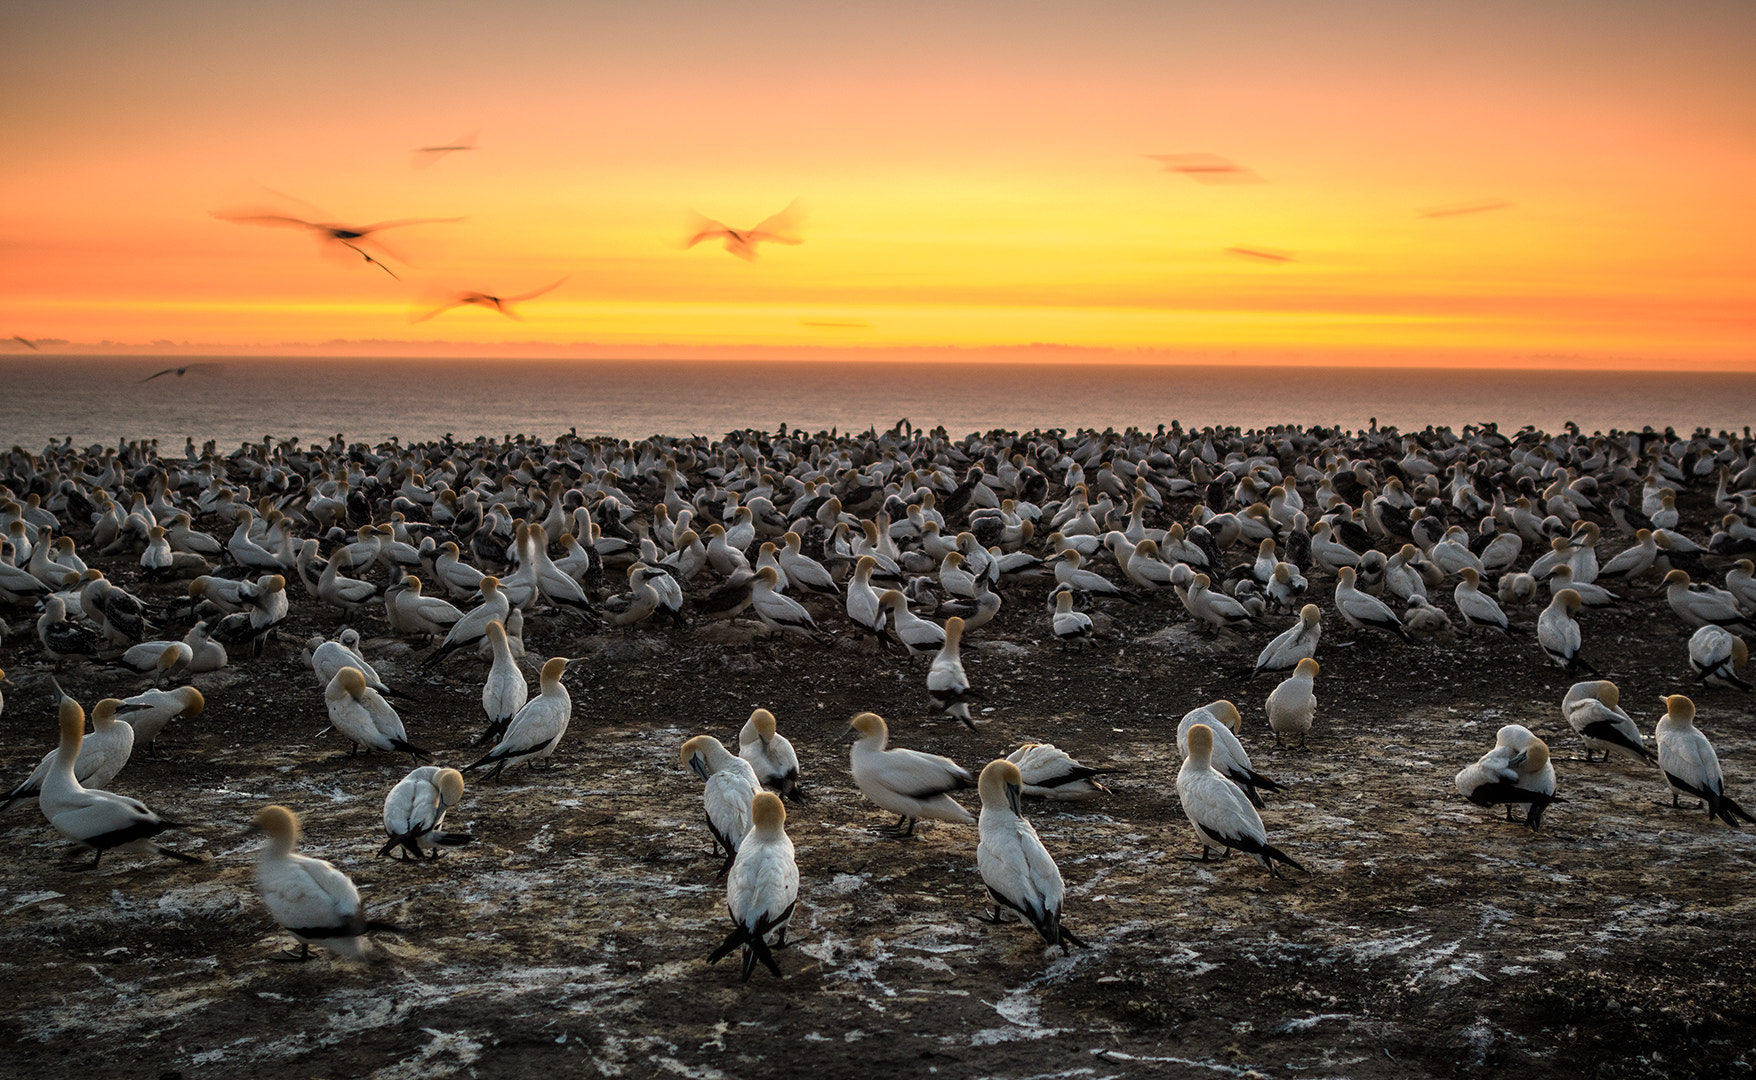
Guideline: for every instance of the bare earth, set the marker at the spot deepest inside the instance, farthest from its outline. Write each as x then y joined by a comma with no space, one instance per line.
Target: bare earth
1431,938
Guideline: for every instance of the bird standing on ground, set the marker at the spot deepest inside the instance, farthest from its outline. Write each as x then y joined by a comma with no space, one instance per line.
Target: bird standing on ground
770,754
948,688
1689,763
1018,871
309,898
1218,811
762,887
536,731
731,785
1292,705
908,783
415,809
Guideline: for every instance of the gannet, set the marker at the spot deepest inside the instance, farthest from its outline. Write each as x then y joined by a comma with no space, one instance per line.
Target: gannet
948,687
731,784
1292,705
1217,809
1227,756
777,611
340,591
91,817
309,898
1424,621
1363,611
415,809
1402,580
1634,561
803,570
1593,596
1068,572
770,754
1297,642
1558,633
417,614
1717,655
101,755
1212,607
1477,608
1592,710
1516,770
1018,871
504,692
862,603
160,659
1069,625
917,635
473,627
1517,589
361,713
1689,763
1050,773
1699,604
61,637
908,783
762,887
536,731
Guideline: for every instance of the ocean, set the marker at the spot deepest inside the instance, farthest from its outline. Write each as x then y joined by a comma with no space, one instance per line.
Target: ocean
102,399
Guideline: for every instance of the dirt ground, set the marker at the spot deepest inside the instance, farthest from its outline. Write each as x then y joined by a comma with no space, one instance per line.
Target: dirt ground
1431,937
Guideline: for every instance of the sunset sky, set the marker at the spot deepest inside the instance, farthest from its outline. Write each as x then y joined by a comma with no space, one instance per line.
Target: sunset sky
973,174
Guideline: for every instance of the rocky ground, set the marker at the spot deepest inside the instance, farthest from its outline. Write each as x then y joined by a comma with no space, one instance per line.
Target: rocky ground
1431,937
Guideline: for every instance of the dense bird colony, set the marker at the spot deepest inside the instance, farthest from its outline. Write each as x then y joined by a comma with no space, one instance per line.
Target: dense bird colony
533,671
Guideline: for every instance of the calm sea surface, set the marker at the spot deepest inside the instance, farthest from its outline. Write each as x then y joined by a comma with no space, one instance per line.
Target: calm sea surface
101,399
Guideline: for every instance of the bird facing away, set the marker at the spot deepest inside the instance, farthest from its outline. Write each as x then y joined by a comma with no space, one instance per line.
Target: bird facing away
780,228
762,887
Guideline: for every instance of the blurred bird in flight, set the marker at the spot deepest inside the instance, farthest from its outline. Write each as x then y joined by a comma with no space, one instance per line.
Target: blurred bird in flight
355,238
502,304
1260,254
427,155
180,371
1207,168
781,228
1482,206
26,342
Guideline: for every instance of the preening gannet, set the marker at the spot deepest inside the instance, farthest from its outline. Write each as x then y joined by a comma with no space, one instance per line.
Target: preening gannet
1018,871
101,755
537,728
1217,809
1051,773
1516,770
1717,654
908,783
1592,709
361,713
731,785
1297,642
93,818
1558,633
415,809
1689,763
309,898
151,712
770,754
1227,756
1292,705
762,887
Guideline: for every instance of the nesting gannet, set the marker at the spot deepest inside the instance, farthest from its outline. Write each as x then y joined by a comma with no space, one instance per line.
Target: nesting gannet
1425,621
1292,705
778,611
1363,611
1689,763
770,754
908,783
151,712
160,659
731,784
101,755
504,692
415,809
1634,561
762,887
1716,655
1476,607
536,731
417,614
473,627
61,637
1213,607
1227,755
309,898
1297,642
1069,625
361,713
1517,590
916,634
1217,809
1051,773
1558,633
93,818
1018,871
1592,709
1699,604
1515,771
948,688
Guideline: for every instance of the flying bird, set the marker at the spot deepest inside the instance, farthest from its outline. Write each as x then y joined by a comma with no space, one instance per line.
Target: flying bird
348,236
206,365
26,342
1207,168
1267,255
427,155
781,228
502,304
1481,206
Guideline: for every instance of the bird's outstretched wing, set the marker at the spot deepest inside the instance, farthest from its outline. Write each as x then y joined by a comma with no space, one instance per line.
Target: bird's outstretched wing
1206,168
26,342
782,227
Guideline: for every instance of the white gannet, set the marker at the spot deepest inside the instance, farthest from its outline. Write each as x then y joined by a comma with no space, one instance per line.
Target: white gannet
1716,655
1593,596
473,627
309,898
504,692
1363,611
1217,809
1689,763
1558,633
1517,590
1213,607
415,809
762,887
1297,642
91,817
417,614
948,688
361,713
1069,625
101,754
908,783
1292,705
1634,561
340,591
861,601
1227,755
1068,572
1699,604
1051,773
770,754
1476,607
1592,709
151,712
536,731
778,611
917,635
160,659
1018,871
1516,770
731,784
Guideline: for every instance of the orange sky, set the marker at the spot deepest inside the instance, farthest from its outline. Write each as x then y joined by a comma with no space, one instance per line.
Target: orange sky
975,174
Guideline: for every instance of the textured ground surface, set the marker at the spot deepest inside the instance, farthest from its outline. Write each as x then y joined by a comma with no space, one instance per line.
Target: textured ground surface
1431,938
